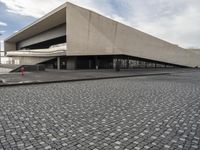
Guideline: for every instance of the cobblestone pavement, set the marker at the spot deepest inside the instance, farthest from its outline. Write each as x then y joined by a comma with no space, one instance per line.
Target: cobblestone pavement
159,112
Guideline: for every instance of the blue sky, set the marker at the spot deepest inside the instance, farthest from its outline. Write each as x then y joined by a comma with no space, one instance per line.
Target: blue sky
13,21
176,21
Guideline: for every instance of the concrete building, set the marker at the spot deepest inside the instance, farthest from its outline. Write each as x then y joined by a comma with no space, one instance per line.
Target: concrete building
71,37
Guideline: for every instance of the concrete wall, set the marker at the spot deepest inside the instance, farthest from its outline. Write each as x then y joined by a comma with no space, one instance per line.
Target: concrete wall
196,51
9,46
44,36
89,33
92,34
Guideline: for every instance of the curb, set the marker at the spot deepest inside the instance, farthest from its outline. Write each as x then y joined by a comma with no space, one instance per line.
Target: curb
76,80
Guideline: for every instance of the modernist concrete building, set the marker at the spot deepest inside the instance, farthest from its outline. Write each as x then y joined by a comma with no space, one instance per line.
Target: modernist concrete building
71,37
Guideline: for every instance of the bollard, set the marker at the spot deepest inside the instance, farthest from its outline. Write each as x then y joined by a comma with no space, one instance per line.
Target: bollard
22,71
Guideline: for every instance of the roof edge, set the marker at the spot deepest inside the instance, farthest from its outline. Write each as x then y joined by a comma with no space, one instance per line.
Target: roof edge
121,23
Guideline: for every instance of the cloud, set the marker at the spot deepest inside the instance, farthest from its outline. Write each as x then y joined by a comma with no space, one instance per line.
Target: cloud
34,8
3,24
30,7
175,21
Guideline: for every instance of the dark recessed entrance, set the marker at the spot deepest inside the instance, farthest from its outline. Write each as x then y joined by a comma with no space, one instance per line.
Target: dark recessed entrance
105,62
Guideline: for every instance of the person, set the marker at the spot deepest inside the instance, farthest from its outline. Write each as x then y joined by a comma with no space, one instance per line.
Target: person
22,71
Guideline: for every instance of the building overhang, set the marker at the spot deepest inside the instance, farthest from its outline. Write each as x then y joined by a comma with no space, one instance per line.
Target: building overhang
51,20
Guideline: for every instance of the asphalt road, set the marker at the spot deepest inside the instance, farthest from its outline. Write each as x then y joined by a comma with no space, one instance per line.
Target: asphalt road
155,112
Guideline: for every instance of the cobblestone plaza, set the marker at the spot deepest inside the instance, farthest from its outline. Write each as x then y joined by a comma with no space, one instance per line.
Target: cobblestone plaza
155,112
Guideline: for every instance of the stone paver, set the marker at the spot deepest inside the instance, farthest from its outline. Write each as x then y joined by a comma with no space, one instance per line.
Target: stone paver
160,112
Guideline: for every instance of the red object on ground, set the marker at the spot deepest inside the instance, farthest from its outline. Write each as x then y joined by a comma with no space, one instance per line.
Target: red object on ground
22,71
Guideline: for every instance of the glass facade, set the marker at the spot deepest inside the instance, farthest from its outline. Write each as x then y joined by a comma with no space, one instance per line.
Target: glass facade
106,62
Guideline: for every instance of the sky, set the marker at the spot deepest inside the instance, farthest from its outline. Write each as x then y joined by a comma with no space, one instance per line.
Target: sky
176,21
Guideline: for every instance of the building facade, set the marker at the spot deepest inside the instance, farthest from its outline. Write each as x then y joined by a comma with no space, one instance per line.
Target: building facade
71,37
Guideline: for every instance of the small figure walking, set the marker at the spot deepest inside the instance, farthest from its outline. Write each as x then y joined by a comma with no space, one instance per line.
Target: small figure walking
22,71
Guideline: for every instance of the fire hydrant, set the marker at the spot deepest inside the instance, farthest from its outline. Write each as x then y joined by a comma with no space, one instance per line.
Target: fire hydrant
22,71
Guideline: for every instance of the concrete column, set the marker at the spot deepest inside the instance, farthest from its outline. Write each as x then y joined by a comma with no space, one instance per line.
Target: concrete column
127,63
58,63
117,65
71,63
115,62
90,64
96,63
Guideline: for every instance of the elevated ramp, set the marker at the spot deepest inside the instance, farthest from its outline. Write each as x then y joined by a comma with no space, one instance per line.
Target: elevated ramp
32,57
53,51
29,68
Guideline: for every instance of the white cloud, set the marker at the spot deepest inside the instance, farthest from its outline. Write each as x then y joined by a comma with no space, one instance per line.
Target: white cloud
175,21
38,8
34,8
3,24
2,31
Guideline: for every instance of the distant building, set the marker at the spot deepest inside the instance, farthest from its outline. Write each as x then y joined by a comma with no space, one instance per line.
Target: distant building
71,37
